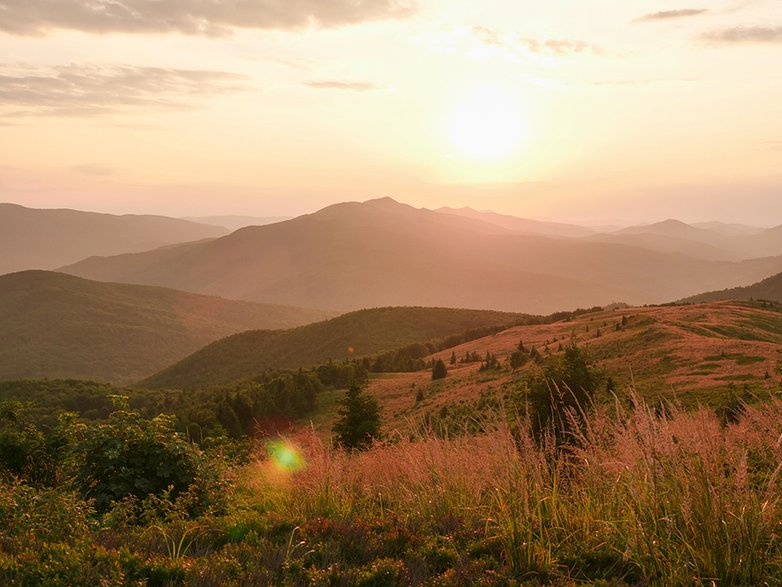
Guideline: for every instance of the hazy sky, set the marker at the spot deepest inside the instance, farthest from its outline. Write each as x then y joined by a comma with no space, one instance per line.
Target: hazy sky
565,109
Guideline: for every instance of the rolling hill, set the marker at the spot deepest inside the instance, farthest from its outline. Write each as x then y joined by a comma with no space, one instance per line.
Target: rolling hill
767,289
56,325
705,353
383,253
357,334
47,239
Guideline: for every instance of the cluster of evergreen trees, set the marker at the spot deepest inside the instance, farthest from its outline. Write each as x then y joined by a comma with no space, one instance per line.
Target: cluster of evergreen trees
268,402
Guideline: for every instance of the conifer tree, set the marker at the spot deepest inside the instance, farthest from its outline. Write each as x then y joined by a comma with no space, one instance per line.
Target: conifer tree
358,424
439,370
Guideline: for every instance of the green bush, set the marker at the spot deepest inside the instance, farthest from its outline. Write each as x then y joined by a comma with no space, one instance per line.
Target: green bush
130,456
439,370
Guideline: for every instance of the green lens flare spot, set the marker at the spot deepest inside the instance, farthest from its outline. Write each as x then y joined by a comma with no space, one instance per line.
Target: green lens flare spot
285,456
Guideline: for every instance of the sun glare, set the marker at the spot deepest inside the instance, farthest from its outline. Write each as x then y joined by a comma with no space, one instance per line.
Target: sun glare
487,123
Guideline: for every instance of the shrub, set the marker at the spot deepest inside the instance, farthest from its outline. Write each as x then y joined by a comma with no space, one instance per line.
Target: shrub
439,370
131,457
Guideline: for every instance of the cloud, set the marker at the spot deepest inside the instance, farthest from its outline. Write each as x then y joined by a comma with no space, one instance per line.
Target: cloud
78,90
487,36
745,35
191,17
558,46
671,14
340,85
490,38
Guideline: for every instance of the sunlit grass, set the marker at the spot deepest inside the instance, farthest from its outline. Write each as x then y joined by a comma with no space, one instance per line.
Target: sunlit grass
660,500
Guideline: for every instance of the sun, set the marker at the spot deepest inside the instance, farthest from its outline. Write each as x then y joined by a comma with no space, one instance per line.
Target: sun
487,123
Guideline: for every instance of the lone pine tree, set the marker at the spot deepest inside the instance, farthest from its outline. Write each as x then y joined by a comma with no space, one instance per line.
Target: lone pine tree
358,424
439,370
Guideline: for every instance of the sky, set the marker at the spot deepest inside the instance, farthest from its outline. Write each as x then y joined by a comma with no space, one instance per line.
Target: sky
592,112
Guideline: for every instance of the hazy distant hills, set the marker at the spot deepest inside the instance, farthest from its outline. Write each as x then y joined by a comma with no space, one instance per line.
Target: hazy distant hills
234,222
711,240
520,224
382,253
767,289
729,228
356,334
55,325
47,239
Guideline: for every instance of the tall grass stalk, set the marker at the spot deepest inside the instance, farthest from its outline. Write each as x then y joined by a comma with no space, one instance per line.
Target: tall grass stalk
659,499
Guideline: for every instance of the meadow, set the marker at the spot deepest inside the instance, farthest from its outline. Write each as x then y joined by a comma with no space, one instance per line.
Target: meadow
621,496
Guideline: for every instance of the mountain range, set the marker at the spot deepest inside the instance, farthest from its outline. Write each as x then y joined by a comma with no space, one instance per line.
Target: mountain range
382,253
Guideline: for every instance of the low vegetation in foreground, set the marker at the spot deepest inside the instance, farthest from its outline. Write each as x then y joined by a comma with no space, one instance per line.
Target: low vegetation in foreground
607,496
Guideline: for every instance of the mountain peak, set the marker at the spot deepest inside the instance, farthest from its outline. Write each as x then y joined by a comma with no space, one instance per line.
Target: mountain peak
377,207
383,201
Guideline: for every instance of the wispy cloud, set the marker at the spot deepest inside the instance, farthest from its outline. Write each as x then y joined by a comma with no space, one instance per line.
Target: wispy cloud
671,14
343,85
558,46
79,90
488,37
192,17
756,34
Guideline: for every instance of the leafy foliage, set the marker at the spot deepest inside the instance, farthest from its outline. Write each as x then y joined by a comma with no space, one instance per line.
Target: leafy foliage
130,457
268,402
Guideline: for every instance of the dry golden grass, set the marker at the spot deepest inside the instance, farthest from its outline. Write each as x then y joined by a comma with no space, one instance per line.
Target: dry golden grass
671,499
692,353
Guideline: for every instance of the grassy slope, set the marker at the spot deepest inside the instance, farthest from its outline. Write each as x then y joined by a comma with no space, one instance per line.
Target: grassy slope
768,289
55,325
691,353
356,334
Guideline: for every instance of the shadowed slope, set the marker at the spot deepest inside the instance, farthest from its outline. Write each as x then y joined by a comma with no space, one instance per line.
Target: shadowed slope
55,325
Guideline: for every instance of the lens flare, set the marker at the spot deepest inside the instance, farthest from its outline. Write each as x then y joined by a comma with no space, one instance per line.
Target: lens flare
285,456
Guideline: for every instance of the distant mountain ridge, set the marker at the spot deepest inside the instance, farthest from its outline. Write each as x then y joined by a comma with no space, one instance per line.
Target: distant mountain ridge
520,224
56,325
235,222
33,238
712,240
382,253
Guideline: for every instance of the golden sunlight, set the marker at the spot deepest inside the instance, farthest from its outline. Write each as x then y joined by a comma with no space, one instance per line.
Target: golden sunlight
487,123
